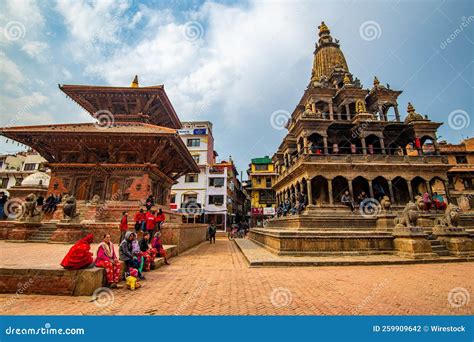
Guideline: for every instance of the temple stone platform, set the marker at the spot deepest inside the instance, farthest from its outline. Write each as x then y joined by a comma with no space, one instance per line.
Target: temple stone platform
258,256
340,233
36,270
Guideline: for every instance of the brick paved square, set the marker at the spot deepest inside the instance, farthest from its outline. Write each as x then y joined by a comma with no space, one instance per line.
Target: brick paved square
216,280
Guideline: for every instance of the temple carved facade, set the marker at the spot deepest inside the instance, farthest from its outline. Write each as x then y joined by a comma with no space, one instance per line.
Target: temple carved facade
342,137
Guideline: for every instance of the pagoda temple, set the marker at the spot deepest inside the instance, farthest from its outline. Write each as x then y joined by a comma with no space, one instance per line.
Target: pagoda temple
342,137
346,140
132,151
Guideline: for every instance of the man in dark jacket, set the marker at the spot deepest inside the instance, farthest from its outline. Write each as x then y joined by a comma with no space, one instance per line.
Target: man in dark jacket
126,254
212,233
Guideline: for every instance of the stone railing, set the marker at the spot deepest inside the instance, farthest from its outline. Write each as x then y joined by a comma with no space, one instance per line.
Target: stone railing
363,159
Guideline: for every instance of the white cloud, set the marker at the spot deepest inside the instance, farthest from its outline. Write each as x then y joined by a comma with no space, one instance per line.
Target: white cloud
239,53
24,18
24,110
35,49
10,74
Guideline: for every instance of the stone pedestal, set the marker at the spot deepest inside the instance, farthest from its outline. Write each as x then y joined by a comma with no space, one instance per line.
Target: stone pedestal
22,230
456,240
411,242
68,231
385,221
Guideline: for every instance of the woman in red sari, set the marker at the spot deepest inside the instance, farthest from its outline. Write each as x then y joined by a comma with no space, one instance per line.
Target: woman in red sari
107,259
79,256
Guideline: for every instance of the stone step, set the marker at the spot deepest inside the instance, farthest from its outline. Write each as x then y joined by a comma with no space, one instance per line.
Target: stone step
439,248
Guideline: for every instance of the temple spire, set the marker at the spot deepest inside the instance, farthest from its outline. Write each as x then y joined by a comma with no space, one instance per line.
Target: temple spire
134,82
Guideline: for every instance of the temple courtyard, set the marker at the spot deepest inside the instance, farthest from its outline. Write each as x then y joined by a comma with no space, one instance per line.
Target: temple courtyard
217,280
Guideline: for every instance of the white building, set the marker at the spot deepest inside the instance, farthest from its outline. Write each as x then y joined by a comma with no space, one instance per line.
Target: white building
188,196
15,167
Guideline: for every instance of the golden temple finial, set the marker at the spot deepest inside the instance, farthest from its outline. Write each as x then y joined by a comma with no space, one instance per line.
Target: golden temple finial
410,108
134,82
376,81
323,28
347,80
360,106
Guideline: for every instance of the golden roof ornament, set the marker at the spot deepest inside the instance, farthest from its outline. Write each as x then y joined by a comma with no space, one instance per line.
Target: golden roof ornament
347,80
323,28
376,81
134,82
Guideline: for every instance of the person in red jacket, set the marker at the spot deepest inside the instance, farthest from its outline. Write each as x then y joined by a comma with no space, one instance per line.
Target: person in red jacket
150,221
140,220
160,218
123,225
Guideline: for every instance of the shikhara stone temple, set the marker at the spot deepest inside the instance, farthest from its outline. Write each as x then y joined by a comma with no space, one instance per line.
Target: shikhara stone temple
342,137
104,168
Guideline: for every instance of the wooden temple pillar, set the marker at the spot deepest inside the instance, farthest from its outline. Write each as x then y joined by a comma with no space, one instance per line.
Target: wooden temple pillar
331,196
390,190
410,191
371,189
310,191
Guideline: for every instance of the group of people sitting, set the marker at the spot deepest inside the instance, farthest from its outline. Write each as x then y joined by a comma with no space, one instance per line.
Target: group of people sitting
427,202
137,255
50,204
293,207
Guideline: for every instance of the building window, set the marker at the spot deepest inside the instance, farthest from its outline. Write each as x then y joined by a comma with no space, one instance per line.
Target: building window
196,158
461,160
193,142
188,198
29,167
3,183
268,182
217,182
216,199
191,178
260,167
18,181
173,199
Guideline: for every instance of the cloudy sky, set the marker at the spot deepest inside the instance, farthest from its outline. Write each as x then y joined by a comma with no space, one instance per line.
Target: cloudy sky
233,63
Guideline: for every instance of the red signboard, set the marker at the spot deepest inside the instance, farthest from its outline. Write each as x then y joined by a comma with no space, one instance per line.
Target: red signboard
257,211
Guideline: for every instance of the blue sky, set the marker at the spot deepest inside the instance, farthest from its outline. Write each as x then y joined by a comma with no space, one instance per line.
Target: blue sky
233,63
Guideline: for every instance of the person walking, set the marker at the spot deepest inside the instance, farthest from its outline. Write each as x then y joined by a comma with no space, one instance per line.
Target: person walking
212,233
123,225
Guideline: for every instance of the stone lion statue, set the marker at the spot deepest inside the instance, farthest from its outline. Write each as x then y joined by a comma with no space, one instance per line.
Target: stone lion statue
69,208
419,202
450,218
409,217
30,207
385,203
